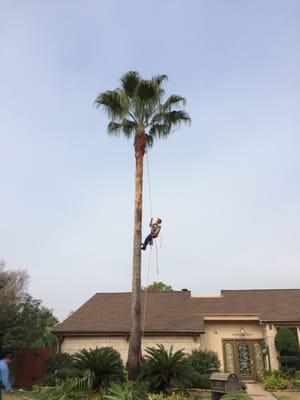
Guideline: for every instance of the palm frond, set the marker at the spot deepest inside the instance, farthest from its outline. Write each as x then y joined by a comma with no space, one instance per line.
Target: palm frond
125,126
130,81
173,101
159,79
164,122
147,90
160,130
149,139
114,102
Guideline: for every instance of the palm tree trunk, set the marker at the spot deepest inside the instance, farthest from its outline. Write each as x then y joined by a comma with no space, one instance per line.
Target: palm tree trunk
134,351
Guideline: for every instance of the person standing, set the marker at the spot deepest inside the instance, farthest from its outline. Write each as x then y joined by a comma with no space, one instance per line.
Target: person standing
4,374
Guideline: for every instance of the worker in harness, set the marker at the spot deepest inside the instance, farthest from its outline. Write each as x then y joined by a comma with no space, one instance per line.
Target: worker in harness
155,229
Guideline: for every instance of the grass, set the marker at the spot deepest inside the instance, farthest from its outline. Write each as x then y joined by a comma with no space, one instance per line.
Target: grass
287,395
20,395
200,395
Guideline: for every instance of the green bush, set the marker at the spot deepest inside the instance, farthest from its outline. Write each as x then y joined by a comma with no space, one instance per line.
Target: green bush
68,373
288,372
297,375
49,380
61,360
203,381
165,369
203,361
285,341
236,396
275,381
104,363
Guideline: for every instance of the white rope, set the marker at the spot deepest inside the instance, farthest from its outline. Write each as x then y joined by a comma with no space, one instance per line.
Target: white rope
146,292
149,185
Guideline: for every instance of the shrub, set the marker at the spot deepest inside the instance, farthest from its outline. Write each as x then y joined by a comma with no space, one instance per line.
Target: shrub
285,341
49,380
275,381
297,375
61,360
165,369
288,372
68,373
203,381
104,363
203,361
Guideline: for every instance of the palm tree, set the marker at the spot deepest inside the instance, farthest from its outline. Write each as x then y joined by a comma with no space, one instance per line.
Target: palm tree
137,109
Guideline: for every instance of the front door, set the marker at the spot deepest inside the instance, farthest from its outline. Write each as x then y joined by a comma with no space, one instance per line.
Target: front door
244,358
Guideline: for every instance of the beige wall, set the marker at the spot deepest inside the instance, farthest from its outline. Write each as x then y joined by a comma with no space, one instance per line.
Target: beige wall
73,344
216,331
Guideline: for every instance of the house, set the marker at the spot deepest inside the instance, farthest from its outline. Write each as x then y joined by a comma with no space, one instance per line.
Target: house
239,325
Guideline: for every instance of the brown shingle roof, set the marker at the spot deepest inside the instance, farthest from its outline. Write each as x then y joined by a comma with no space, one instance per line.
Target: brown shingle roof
277,305
110,313
178,312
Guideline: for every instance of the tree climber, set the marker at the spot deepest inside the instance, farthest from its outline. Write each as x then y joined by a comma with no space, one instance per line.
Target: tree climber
155,229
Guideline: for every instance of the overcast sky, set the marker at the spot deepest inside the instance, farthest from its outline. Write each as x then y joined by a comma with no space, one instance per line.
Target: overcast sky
227,188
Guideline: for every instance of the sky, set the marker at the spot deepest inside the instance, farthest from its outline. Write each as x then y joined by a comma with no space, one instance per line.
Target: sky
227,187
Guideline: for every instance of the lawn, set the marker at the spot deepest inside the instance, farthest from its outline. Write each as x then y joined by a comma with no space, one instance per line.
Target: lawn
17,395
287,395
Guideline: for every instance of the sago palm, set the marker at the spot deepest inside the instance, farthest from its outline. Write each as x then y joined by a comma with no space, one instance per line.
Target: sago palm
166,369
138,109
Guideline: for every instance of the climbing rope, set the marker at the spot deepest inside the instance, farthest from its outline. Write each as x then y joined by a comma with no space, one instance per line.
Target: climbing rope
146,292
149,184
151,207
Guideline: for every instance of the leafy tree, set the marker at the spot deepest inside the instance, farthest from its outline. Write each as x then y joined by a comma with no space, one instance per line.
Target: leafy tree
23,319
287,346
165,369
138,110
31,327
285,342
158,287
104,363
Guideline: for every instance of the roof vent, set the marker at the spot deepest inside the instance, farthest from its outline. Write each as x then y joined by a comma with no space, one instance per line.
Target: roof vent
184,290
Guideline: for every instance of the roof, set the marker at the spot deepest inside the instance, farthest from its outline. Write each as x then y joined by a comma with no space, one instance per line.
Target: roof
179,312
110,313
269,305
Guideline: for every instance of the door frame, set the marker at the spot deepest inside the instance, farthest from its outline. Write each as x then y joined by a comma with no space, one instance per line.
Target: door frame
235,342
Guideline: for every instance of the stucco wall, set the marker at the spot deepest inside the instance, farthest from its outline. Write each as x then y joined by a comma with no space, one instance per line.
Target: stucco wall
73,344
215,331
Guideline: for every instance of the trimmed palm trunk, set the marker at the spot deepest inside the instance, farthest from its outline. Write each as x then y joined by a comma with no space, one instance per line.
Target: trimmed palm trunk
134,351
138,109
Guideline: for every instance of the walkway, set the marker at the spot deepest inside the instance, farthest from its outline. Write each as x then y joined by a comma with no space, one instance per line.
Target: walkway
257,392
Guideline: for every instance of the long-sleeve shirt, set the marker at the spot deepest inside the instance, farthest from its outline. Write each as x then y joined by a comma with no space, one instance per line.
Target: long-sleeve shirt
155,228
4,375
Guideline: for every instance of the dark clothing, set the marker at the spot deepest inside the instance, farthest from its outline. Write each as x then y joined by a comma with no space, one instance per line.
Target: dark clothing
148,240
155,229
